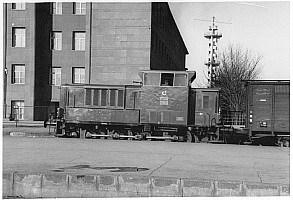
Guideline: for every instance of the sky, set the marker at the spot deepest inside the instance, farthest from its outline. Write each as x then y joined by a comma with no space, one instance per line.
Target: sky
262,27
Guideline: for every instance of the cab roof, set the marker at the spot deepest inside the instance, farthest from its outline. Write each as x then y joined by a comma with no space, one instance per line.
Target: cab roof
191,74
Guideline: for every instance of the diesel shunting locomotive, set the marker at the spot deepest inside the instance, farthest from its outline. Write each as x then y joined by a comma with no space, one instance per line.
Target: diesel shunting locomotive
163,106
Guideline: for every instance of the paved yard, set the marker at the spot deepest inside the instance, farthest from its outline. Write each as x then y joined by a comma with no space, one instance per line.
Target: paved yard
147,158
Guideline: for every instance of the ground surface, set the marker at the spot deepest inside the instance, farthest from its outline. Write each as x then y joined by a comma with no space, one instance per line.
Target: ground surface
147,158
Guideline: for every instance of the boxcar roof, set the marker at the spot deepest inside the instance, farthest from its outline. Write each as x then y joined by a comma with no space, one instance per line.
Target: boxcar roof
207,89
267,82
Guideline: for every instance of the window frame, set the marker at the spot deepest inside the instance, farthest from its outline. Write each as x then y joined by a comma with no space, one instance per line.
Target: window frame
78,8
145,79
56,41
18,39
106,98
216,104
18,76
20,108
78,40
203,102
79,75
56,76
19,6
166,76
57,8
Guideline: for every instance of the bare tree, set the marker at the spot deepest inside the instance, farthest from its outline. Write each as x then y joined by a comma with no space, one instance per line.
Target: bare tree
236,65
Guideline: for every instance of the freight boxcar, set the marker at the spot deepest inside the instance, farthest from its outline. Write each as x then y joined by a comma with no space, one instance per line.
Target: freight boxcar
268,111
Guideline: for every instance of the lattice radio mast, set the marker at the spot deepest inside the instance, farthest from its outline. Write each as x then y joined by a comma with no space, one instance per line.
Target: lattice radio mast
213,35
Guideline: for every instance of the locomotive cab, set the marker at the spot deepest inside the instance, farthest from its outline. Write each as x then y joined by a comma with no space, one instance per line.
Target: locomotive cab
164,97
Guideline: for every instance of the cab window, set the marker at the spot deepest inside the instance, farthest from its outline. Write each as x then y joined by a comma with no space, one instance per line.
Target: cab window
152,79
180,80
205,102
167,79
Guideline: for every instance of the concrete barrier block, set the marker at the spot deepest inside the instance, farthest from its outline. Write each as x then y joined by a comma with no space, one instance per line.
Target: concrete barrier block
165,187
284,190
27,185
55,185
7,180
83,186
193,188
134,187
227,189
108,186
262,190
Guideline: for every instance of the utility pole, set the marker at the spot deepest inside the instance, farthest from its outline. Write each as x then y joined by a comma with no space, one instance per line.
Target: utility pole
213,35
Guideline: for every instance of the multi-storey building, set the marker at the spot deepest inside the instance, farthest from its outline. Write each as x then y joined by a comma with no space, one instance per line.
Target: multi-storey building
49,44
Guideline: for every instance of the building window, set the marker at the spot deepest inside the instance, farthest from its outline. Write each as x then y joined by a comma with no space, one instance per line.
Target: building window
18,75
79,8
78,75
17,110
56,76
18,6
57,8
18,37
56,40
79,41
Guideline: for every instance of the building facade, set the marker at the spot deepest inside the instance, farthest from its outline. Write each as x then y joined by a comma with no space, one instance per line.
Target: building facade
49,44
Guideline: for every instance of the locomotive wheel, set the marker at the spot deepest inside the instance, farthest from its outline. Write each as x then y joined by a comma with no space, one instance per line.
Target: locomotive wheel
129,132
102,132
189,137
88,135
196,140
115,135
73,134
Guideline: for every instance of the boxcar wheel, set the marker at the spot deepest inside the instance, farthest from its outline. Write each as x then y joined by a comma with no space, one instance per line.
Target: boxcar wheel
286,143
